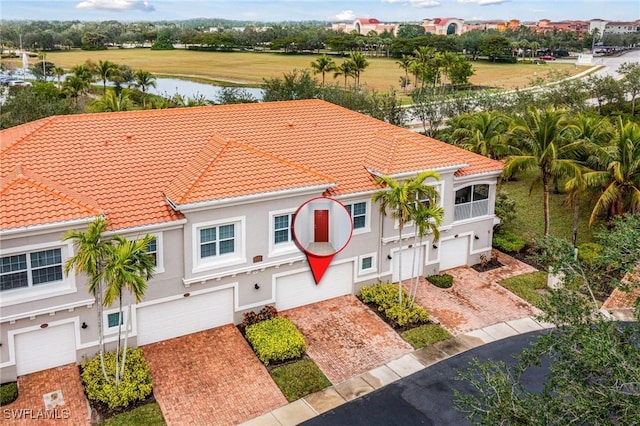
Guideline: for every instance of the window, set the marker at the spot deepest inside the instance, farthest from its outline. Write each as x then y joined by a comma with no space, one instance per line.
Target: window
358,212
217,241
152,249
112,319
32,269
283,228
367,264
472,201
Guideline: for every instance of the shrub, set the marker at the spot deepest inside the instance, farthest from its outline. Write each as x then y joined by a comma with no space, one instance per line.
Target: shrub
442,281
422,336
508,242
135,385
266,313
587,252
8,393
385,297
276,339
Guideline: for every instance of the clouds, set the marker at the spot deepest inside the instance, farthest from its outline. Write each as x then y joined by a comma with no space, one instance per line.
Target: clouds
483,2
116,5
346,15
415,3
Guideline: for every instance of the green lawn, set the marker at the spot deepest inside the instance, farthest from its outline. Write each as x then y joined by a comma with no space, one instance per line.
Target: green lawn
424,335
529,221
299,379
531,287
146,415
251,68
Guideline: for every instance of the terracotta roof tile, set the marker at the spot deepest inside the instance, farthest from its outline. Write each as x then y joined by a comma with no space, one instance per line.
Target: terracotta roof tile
129,162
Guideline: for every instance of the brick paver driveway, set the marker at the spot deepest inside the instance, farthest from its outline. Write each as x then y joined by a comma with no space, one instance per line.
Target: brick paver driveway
29,408
345,338
475,300
210,378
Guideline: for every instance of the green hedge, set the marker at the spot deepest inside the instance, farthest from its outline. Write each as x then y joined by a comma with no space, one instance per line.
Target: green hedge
508,242
587,252
276,339
134,386
8,393
442,281
385,297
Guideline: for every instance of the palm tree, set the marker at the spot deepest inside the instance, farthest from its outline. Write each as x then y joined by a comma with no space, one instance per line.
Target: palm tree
359,63
58,72
427,218
400,199
104,70
112,102
128,268
534,45
91,251
142,81
323,65
617,173
547,146
405,63
594,132
483,132
345,69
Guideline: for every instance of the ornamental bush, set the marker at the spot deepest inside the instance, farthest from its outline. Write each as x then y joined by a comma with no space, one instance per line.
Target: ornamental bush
587,252
266,313
508,242
135,385
8,393
385,297
442,281
276,339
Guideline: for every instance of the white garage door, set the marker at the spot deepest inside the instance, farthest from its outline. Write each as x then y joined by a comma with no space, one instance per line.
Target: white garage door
301,289
184,316
454,252
407,263
45,348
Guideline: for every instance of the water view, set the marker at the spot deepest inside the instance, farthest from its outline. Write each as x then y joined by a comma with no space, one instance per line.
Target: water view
168,87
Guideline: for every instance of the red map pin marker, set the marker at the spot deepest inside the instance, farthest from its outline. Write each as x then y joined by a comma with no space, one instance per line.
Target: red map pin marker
322,227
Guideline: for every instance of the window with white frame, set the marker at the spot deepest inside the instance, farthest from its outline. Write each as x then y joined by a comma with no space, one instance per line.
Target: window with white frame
358,213
367,264
113,318
30,269
152,250
217,241
472,201
283,228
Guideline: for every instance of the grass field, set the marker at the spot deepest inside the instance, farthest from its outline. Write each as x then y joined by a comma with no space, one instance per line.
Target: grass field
251,68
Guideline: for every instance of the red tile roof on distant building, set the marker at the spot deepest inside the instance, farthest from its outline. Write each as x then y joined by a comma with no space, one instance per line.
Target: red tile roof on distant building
127,165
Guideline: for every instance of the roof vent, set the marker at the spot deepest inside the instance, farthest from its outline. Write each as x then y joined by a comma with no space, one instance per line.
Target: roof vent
129,136
290,124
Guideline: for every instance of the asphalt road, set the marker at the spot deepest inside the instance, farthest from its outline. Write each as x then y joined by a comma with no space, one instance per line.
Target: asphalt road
426,397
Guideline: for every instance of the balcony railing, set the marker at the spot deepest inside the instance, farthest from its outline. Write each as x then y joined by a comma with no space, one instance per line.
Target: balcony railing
472,209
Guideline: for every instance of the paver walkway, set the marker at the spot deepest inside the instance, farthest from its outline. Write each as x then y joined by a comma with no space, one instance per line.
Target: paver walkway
29,408
210,378
345,338
476,300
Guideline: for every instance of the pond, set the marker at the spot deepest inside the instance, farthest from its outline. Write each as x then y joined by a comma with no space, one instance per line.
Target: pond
168,87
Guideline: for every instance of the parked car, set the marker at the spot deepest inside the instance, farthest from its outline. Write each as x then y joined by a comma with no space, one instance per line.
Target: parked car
19,83
547,58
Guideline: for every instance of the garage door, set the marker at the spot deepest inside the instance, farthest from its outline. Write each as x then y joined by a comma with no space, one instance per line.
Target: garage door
454,252
407,264
45,348
301,289
184,316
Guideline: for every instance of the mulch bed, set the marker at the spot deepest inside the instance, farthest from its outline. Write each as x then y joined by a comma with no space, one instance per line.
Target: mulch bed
487,267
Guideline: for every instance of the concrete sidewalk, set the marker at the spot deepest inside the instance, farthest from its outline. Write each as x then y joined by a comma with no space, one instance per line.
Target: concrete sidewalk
331,397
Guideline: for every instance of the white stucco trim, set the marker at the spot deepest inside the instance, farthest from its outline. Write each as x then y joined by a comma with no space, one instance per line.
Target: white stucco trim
46,228
48,311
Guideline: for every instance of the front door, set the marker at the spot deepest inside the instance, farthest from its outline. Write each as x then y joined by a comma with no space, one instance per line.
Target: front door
321,226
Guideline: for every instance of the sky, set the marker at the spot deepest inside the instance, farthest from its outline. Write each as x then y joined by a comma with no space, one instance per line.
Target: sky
327,10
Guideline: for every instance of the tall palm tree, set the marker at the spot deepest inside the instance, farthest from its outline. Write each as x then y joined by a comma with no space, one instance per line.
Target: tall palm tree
344,69
104,70
483,132
546,145
400,199
323,65
91,250
75,87
142,80
405,63
427,218
58,72
359,63
112,102
128,268
617,172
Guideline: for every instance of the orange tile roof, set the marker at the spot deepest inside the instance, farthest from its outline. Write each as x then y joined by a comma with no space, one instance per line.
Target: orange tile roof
128,163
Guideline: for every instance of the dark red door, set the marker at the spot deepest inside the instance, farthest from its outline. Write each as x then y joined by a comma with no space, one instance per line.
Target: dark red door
321,226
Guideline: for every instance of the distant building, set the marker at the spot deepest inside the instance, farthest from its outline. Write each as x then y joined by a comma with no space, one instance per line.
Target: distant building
622,27
443,26
364,26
